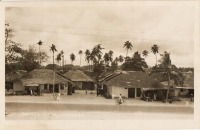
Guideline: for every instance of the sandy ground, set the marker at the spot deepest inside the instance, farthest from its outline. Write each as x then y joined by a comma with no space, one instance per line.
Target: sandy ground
80,106
97,115
91,98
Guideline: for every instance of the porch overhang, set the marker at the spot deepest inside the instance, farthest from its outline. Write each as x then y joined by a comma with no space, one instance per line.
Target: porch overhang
32,85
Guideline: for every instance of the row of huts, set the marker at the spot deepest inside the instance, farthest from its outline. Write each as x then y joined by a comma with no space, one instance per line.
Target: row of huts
131,84
46,81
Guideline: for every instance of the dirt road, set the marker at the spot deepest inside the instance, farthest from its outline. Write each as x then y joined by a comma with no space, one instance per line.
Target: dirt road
91,111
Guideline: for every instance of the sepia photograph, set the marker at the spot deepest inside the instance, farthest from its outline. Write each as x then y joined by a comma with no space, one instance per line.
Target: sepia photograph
100,61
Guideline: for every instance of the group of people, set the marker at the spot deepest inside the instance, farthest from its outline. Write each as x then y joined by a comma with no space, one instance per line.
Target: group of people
31,92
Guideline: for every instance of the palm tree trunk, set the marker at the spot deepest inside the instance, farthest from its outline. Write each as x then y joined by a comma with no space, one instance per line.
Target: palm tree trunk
53,62
89,65
80,60
127,53
53,75
92,65
40,54
156,59
63,62
167,96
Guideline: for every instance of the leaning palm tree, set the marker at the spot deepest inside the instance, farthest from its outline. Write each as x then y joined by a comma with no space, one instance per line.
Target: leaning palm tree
155,49
169,71
53,49
80,53
72,57
145,53
128,46
40,43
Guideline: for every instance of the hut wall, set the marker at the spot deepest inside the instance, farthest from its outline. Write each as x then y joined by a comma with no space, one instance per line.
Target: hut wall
41,86
184,92
176,92
10,91
33,88
88,85
109,91
64,90
9,88
117,90
78,84
18,86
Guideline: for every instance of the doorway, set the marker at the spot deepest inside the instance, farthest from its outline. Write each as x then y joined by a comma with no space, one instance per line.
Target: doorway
131,92
56,88
138,92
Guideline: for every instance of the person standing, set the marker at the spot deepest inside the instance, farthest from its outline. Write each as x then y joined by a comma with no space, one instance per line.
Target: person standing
58,97
31,92
120,99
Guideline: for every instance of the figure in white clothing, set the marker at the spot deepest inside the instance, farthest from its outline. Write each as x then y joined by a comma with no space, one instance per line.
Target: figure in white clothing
120,99
58,97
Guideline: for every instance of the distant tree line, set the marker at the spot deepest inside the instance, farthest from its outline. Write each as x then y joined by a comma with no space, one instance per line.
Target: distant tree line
17,58
186,69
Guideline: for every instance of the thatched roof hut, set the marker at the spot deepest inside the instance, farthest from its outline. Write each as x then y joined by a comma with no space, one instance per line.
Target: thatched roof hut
131,79
78,76
43,76
108,75
12,76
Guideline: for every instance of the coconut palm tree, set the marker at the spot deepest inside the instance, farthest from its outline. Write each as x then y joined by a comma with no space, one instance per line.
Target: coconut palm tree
121,58
87,57
40,43
96,54
110,53
72,57
93,58
58,58
128,46
62,55
80,53
106,58
145,53
116,60
168,70
53,49
155,49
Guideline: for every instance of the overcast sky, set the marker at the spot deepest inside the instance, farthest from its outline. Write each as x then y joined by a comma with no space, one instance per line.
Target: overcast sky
79,27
